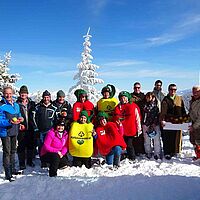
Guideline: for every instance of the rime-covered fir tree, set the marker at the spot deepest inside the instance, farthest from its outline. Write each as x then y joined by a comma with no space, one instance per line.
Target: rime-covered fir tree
87,76
7,79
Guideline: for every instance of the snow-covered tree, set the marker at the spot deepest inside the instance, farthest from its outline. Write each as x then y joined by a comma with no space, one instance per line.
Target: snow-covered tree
87,76
7,79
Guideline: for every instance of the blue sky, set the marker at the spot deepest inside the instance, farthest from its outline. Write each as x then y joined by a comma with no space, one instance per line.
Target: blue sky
132,40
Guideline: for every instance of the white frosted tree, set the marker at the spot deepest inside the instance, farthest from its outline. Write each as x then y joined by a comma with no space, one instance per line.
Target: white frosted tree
7,79
86,75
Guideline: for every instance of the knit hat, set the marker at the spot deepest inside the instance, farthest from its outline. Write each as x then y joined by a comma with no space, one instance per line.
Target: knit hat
80,92
109,88
23,89
102,114
124,93
60,93
46,93
59,122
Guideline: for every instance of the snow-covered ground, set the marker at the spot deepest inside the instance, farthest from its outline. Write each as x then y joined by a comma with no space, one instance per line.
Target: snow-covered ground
176,179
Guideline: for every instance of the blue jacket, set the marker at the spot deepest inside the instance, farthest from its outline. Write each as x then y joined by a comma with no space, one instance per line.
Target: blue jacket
7,112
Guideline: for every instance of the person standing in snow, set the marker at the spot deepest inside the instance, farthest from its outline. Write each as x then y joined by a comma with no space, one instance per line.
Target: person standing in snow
62,105
45,114
82,103
150,126
194,113
55,147
172,107
158,92
108,102
138,98
81,140
128,113
25,149
110,142
10,118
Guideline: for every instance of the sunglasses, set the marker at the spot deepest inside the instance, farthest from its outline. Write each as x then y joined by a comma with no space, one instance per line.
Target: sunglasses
173,89
137,87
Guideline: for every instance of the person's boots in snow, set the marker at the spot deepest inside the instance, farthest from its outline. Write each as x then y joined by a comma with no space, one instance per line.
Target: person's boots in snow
21,158
8,174
117,161
30,158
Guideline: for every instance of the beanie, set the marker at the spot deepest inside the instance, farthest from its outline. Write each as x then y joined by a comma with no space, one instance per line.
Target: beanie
46,93
60,93
102,114
59,122
109,88
23,89
126,94
80,92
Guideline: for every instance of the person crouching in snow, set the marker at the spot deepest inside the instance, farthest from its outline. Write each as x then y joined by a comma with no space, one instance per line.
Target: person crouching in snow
55,147
151,129
109,141
81,140
128,113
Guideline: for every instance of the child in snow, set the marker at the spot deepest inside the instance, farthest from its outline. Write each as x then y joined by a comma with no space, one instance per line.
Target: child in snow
55,147
151,129
109,141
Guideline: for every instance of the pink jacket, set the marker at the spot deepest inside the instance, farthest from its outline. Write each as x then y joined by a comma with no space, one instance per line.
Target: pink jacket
54,143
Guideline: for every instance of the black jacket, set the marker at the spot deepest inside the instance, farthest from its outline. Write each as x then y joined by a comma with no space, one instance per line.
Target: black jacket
66,106
45,116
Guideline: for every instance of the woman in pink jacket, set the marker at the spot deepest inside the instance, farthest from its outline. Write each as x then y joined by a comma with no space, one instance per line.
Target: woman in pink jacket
55,148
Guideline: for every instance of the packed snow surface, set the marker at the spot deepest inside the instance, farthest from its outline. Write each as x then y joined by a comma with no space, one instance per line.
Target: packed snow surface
178,178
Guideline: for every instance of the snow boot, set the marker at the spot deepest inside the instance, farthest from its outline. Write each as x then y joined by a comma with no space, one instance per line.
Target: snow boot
117,161
21,158
30,162
8,174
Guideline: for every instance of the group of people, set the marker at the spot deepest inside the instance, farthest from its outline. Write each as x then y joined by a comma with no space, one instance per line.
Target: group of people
113,129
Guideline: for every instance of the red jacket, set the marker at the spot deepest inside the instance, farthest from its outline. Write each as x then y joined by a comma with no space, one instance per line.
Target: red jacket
78,107
129,115
108,137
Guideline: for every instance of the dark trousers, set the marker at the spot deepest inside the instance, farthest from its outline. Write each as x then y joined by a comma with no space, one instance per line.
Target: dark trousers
130,148
171,142
78,162
9,150
25,147
138,143
55,162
